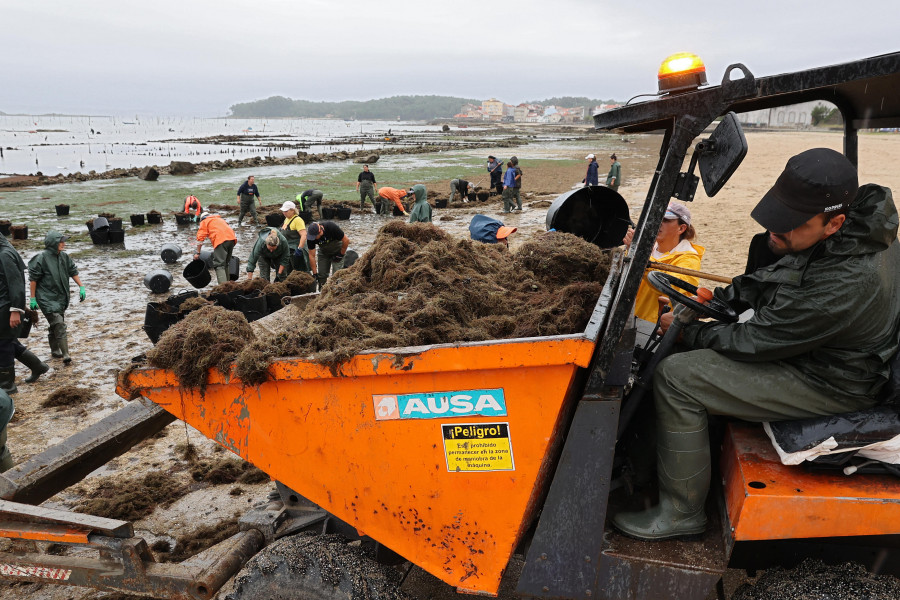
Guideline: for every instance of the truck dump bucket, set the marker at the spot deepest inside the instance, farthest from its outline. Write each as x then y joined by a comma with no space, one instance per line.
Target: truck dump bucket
440,453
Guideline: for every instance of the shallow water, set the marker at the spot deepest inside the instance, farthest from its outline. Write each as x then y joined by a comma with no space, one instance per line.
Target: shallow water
59,144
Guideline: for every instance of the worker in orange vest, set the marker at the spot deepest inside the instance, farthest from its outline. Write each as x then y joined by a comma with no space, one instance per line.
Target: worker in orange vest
192,203
223,240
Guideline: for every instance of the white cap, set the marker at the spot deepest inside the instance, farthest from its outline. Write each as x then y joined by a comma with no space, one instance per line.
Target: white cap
204,215
288,206
589,156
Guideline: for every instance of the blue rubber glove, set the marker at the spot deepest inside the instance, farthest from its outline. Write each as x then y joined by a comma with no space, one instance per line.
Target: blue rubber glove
298,253
33,304
81,293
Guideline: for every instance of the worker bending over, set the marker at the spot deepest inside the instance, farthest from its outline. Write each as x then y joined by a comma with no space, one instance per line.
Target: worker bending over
327,245
192,203
271,251
222,238
392,195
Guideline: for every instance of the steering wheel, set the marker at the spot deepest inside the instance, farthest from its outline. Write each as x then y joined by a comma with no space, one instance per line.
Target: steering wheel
714,309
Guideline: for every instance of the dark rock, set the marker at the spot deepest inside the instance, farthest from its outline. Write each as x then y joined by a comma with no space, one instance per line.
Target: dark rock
177,167
370,159
149,174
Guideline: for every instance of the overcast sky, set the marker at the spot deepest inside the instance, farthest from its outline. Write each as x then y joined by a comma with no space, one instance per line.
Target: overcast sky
198,57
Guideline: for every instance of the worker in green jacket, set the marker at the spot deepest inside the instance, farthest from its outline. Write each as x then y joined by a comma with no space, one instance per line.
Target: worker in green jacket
271,251
12,311
421,210
7,408
49,274
614,177
824,328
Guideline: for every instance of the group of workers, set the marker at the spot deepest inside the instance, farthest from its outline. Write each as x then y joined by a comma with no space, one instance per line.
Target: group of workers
48,289
592,176
317,248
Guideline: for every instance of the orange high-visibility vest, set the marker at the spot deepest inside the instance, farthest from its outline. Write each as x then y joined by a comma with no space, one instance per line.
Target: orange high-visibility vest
191,202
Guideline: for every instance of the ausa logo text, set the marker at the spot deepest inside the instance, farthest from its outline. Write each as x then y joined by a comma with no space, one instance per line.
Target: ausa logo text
432,405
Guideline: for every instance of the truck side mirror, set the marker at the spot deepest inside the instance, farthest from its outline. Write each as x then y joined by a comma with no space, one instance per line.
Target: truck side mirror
721,154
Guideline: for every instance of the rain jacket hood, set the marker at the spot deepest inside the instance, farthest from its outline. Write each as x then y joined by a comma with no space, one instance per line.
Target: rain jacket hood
51,270
421,210
832,312
52,239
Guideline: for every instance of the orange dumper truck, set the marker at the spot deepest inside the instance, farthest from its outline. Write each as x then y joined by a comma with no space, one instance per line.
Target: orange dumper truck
461,459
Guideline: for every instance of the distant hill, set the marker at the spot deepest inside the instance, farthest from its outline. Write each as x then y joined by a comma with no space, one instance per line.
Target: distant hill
406,107
411,108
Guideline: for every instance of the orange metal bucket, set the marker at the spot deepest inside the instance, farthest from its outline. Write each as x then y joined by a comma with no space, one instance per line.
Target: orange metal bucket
440,453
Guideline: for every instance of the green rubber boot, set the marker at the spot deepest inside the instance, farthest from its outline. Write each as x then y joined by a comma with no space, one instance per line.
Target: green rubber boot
683,465
8,380
54,346
63,341
37,366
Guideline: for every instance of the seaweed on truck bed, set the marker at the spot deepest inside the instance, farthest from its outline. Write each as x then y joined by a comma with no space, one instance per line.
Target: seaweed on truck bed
416,285
208,337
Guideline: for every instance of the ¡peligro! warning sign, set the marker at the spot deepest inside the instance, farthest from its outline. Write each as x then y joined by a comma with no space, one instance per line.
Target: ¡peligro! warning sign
478,447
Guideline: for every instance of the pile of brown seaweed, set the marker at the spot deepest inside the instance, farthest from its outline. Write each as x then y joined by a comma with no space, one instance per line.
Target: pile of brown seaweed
416,285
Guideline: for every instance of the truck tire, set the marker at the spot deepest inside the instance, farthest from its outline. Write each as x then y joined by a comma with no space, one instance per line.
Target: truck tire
315,567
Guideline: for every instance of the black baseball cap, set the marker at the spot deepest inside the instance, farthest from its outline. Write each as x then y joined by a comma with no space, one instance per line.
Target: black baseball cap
817,181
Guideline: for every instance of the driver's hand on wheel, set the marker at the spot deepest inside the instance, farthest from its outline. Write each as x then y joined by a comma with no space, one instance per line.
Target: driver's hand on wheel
665,321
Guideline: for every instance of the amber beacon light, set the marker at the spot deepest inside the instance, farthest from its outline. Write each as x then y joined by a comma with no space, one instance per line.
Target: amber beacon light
681,72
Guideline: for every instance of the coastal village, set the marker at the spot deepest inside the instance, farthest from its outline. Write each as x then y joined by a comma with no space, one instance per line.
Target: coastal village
797,116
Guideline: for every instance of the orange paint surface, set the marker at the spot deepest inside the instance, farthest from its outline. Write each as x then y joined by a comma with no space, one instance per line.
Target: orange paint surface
768,500
317,432
43,533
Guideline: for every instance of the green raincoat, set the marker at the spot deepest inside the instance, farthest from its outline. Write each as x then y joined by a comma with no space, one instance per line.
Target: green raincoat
421,210
52,269
12,286
832,312
280,256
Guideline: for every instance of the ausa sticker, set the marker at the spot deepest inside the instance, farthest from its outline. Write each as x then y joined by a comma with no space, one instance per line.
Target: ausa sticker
478,447
434,405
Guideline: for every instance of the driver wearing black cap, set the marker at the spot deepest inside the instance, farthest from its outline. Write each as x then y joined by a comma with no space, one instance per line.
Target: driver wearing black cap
826,316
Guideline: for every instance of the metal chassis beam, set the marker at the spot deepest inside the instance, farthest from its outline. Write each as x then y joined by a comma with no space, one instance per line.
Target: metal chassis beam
56,468
124,562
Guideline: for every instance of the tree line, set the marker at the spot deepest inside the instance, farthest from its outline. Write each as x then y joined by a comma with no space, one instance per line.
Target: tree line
404,107
408,108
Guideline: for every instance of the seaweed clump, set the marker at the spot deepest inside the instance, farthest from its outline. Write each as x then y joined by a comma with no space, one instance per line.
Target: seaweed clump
300,282
197,540
208,337
192,304
417,285
246,286
69,395
132,498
